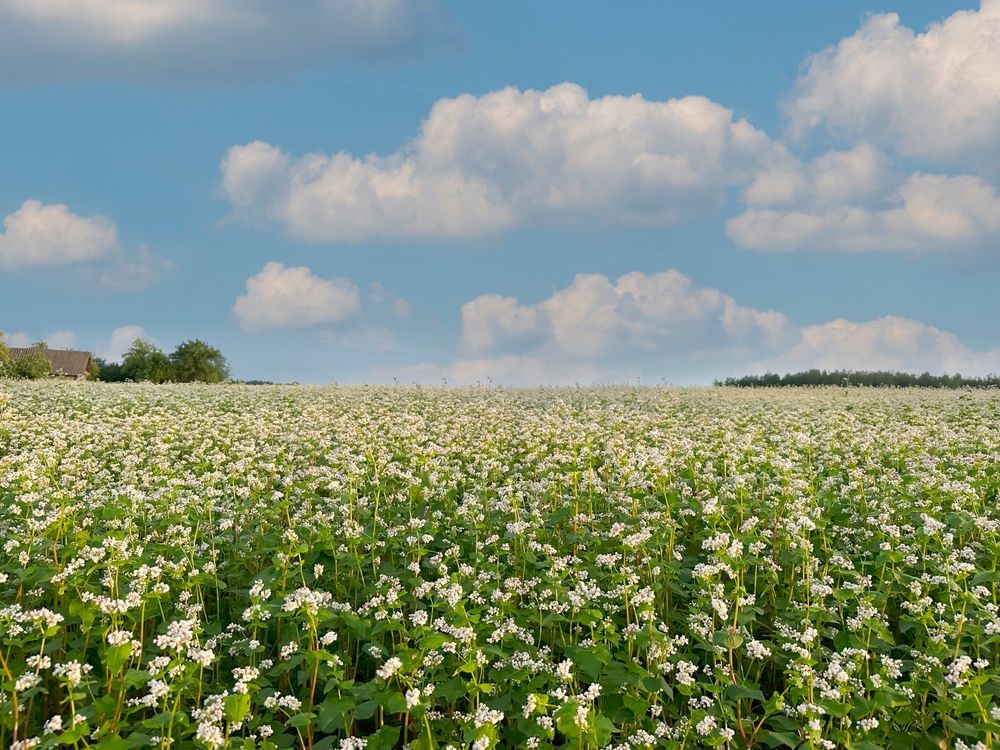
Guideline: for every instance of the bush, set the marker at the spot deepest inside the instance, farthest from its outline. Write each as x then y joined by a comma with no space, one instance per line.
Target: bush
33,366
6,366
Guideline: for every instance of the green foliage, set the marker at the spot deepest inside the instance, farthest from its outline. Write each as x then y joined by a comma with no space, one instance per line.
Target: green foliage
108,372
6,366
196,361
872,379
33,365
272,567
146,362
191,361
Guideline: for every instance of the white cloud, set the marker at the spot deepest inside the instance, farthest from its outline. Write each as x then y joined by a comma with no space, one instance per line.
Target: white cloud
836,177
593,317
292,297
61,339
889,343
199,40
934,94
663,325
121,340
40,235
851,201
133,272
46,235
366,338
379,295
510,158
18,339
491,320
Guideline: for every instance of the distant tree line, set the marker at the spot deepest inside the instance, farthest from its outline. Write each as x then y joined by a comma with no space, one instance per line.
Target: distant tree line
871,378
192,361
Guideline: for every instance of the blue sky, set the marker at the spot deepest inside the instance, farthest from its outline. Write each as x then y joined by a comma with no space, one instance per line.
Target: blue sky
524,192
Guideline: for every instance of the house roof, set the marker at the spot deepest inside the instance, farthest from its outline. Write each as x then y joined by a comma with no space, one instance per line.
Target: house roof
64,361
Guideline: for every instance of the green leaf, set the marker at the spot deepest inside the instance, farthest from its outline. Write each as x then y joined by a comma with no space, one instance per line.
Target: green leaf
236,707
451,690
384,739
738,692
84,611
116,657
111,742
565,717
782,739
72,736
299,721
728,638
604,728
367,709
332,711
962,728
136,678
395,703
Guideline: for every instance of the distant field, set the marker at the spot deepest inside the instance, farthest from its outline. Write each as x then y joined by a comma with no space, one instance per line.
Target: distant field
274,567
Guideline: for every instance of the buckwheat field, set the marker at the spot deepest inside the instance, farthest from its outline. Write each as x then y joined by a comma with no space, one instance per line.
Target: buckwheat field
284,567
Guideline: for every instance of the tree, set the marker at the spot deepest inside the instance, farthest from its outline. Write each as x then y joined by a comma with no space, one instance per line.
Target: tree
196,361
108,372
6,366
33,365
144,361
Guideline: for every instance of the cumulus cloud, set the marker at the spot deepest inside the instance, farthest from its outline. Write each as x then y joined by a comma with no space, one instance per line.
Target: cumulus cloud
381,296
491,320
121,340
593,317
664,325
365,338
133,272
509,158
19,339
40,235
836,177
47,235
850,201
204,40
889,343
293,297
934,94
63,339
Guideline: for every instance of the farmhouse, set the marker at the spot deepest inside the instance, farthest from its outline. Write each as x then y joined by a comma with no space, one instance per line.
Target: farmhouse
66,363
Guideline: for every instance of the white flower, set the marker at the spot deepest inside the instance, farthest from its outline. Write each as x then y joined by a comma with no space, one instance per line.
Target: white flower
706,726
391,666
54,725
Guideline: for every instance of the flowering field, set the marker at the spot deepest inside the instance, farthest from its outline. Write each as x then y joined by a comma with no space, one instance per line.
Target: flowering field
278,567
